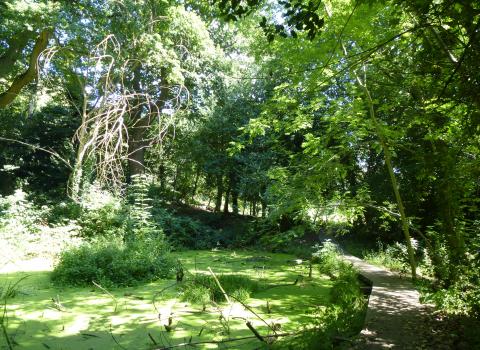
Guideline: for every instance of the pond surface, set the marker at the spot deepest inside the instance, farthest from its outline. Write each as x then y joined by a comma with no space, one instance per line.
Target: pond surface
42,316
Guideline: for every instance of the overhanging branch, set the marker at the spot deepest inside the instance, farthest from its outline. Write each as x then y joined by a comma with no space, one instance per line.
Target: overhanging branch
29,75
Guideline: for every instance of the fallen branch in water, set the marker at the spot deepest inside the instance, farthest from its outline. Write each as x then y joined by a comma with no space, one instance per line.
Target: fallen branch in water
255,332
219,285
222,341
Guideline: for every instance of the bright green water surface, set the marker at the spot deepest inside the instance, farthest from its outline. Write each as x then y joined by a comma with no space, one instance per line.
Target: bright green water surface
41,316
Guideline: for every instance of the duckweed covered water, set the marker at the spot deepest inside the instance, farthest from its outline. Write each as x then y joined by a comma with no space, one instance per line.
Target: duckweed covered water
41,316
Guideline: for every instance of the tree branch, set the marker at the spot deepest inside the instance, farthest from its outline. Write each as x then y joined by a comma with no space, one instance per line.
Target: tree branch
15,47
29,75
56,155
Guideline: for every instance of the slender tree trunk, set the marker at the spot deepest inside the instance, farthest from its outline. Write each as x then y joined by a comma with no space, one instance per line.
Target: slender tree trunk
195,185
235,201
448,204
233,181
86,138
174,185
227,197
393,178
388,163
161,177
209,201
218,203
264,208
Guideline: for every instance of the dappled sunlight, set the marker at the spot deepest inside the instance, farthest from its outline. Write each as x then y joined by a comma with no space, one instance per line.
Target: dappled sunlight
395,317
41,315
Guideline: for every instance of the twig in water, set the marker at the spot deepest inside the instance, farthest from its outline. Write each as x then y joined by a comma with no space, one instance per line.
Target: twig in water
115,339
219,285
108,293
152,339
160,292
221,341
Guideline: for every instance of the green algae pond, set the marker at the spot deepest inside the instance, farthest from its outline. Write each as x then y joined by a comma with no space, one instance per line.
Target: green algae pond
39,315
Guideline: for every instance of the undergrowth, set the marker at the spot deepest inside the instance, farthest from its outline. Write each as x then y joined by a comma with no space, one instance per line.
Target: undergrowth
184,232
344,316
114,263
201,289
394,257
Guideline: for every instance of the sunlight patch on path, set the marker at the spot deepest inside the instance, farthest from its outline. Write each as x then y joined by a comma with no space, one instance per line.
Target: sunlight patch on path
395,317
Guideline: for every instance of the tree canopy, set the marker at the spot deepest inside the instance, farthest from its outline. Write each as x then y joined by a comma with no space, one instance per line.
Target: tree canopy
350,117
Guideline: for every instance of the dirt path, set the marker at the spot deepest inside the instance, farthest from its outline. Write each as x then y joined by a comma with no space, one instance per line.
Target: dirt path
395,318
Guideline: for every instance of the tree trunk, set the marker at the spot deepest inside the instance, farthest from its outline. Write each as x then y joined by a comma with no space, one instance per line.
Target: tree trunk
137,131
137,141
218,203
175,180
30,74
85,145
195,185
235,200
16,45
227,197
209,201
448,204
137,144
161,177
393,179
388,163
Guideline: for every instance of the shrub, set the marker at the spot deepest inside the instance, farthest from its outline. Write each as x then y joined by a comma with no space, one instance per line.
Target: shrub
102,214
105,221
393,257
328,258
347,296
63,212
18,215
114,264
107,215
463,296
196,294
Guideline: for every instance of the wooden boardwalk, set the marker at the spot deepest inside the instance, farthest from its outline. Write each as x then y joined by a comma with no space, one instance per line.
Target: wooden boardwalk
395,317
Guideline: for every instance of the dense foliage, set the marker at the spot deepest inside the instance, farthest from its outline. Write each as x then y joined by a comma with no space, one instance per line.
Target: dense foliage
114,264
312,119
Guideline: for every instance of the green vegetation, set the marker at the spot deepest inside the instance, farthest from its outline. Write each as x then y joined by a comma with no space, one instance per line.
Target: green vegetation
201,288
114,264
345,315
133,131
87,316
